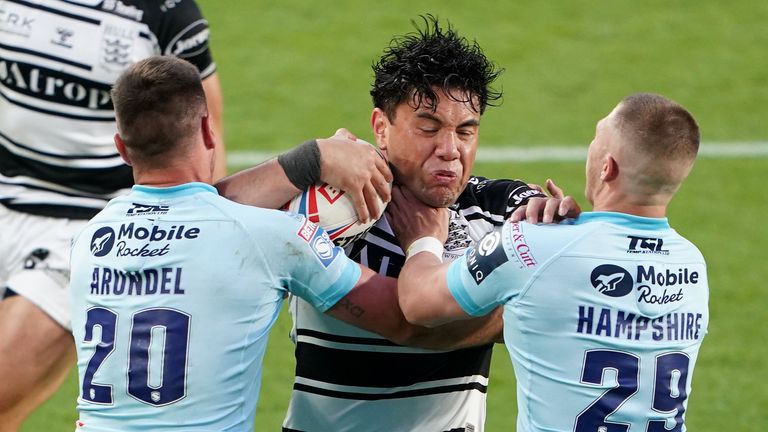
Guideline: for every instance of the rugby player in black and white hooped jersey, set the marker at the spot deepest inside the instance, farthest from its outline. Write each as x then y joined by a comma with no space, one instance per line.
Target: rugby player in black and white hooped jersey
430,91
349,379
58,162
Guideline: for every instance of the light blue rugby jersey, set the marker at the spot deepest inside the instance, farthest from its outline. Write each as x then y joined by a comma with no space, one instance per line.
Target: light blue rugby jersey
173,292
603,318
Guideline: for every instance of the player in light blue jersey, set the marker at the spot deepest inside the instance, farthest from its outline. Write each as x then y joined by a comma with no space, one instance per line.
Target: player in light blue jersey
603,314
174,288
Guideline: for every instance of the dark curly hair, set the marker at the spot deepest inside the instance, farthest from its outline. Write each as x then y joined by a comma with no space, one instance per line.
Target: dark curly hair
433,57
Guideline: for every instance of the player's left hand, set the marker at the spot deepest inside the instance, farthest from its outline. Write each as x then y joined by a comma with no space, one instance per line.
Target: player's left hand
547,210
411,219
357,168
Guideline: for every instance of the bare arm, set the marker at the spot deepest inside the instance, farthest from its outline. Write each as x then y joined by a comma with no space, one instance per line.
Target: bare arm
373,305
424,295
422,285
264,185
213,95
350,165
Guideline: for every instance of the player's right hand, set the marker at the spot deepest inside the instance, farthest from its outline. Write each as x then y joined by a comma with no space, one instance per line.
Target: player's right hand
357,168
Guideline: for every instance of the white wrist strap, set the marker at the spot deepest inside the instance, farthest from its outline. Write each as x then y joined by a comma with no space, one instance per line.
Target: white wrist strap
426,244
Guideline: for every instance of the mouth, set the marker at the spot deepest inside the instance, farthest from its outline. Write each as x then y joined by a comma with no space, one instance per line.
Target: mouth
443,177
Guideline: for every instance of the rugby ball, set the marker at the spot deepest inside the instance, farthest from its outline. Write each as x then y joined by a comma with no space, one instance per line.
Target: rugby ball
333,210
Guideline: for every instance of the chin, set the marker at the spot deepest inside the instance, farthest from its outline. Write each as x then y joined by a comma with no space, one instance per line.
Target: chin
439,197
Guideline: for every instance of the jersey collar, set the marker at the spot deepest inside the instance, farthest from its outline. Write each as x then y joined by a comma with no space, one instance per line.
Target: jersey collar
178,190
636,222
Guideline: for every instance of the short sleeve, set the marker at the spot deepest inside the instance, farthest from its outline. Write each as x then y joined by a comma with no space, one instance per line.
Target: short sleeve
493,272
184,33
307,262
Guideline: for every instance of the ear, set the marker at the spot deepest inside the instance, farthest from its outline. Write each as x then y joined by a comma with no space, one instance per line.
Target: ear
610,170
380,125
209,139
121,149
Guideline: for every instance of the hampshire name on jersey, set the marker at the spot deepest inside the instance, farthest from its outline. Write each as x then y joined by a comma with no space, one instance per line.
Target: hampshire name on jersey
603,319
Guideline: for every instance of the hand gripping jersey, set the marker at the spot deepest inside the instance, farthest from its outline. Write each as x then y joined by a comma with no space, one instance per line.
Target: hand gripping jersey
603,319
348,379
58,61
173,292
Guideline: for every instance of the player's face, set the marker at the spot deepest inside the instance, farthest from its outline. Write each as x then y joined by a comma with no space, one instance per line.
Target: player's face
432,153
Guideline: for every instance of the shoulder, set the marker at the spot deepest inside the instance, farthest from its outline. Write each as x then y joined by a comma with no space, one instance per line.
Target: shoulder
497,196
180,29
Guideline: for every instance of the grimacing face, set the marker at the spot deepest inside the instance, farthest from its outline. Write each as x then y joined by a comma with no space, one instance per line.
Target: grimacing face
431,153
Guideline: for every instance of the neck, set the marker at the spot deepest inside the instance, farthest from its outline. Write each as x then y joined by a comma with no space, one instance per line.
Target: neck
650,211
170,176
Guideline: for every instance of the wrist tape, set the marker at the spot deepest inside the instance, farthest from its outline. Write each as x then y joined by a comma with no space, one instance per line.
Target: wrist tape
302,164
426,244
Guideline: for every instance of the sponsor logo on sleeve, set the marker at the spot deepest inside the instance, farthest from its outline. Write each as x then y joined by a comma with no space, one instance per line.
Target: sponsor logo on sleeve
486,257
191,41
522,250
36,257
168,5
102,241
519,196
307,230
323,248
646,245
611,280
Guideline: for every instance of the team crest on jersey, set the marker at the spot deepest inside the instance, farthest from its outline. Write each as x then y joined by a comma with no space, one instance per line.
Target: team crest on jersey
458,237
116,47
486,257
612,280
102,241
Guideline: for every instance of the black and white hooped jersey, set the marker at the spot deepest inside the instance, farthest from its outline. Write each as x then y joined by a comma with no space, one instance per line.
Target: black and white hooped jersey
58,61
348,379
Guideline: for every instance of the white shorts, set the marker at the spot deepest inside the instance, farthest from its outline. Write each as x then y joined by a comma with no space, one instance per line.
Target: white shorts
34,259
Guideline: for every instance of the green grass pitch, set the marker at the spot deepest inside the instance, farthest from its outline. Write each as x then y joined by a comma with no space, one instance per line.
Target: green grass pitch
293,70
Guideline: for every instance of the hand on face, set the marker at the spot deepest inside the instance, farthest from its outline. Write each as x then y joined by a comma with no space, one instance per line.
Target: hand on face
411,219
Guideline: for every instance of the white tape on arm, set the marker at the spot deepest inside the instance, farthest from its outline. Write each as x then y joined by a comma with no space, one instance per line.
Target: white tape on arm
426,244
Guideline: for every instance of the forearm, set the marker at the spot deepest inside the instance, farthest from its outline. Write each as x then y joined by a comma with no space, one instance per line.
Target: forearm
274,182
423,292
264,185
458,334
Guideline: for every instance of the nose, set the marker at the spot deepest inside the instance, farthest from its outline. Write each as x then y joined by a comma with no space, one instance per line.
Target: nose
447,146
